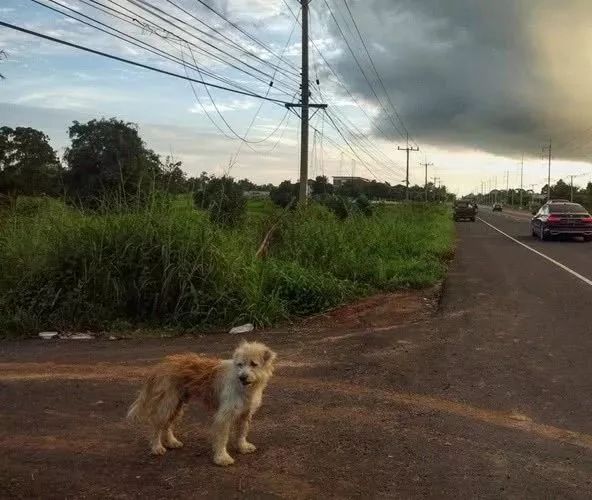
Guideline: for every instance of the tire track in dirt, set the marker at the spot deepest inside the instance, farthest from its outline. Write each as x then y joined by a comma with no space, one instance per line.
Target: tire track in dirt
24,372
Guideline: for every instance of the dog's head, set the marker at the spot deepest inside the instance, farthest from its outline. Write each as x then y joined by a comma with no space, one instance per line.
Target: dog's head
253,363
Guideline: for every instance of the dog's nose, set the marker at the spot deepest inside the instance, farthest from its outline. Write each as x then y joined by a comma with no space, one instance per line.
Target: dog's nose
242,378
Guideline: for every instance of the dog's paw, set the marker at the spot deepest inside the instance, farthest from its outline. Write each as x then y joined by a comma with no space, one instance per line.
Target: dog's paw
223,460
158,450
174,443
247,447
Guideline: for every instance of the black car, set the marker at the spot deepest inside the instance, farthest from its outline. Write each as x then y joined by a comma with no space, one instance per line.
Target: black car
562,219
464,210
497,207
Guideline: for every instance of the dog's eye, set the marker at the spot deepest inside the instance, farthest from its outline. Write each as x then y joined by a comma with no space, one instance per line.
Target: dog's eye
254,365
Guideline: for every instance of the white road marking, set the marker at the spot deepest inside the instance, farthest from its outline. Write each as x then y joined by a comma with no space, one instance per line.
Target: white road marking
558,264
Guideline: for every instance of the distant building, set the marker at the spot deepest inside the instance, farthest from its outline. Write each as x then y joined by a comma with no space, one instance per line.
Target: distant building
339,181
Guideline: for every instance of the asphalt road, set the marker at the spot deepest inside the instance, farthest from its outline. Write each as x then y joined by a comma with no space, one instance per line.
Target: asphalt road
487,396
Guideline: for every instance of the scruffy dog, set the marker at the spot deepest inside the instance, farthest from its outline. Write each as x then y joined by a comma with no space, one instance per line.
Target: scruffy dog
232,388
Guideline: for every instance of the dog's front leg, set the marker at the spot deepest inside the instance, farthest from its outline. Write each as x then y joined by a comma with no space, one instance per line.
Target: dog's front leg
220,430
244,423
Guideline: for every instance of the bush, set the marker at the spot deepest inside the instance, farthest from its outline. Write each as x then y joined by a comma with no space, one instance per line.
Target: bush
167,264
223,199
108,159
339,205
401,246
363,205
285,194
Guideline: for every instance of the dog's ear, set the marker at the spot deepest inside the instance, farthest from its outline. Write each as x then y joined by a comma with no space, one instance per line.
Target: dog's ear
269,356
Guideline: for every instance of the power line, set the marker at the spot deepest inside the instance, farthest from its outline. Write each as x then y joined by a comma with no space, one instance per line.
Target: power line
338,79
368,145
137,42
349,145
292,74
261,105
376,71
407,149
139,3
134,63
248,35
150,24
359,135
395,127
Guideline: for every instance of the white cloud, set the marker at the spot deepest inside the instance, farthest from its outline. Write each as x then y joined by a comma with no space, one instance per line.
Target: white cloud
75,98
223,106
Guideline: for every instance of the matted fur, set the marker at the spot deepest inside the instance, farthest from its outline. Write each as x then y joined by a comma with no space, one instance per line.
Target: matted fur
232,388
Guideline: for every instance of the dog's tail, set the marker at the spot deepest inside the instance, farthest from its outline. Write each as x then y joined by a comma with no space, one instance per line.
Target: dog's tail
137,410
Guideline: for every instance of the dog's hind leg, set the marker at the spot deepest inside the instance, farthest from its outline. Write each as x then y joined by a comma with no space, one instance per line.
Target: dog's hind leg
243,424
170,441
165,411
156,446
221,430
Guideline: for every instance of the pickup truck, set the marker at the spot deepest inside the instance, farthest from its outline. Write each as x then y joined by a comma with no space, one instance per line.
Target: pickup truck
464,210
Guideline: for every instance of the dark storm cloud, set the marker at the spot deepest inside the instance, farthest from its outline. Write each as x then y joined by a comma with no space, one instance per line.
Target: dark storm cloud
484,74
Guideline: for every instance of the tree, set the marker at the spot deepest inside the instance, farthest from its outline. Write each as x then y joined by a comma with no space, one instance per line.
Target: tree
247,185
321,186
284,194
28,164
223,198
108,158
561,190
171,178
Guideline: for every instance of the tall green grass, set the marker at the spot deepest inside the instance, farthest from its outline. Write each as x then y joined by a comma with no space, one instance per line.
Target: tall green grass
167,264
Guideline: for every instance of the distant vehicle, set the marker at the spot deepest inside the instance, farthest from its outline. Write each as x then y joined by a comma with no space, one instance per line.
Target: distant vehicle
464,209
558,218
497,207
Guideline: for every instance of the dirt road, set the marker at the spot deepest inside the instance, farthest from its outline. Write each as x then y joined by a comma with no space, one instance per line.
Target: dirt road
486,396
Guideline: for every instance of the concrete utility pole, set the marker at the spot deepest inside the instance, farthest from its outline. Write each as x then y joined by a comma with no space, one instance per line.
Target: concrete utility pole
407,149
549,149
495,195
572,177
436,180
305,105
521,179
305,95
426,165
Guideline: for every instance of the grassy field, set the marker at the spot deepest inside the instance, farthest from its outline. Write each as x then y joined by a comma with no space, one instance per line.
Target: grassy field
168,265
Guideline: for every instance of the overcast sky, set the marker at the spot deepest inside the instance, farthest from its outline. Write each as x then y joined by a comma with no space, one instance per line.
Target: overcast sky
477,83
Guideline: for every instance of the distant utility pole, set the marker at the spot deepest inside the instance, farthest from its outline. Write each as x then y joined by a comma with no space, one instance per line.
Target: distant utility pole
521,179
572,184
407,149
549,150
426,165
495,195
305,106
436,180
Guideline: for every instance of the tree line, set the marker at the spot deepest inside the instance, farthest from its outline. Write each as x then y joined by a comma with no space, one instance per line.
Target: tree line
107,158
560,190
